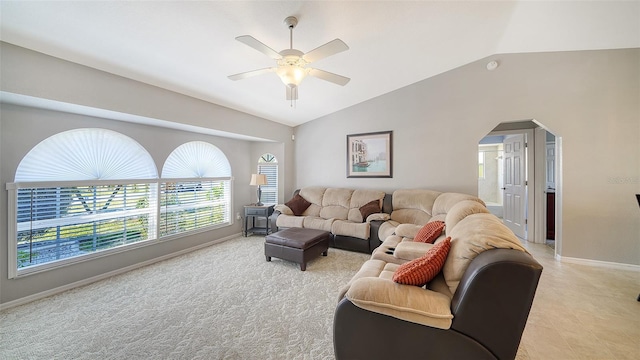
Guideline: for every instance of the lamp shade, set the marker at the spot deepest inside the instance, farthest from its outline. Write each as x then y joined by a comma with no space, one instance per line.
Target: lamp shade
258,179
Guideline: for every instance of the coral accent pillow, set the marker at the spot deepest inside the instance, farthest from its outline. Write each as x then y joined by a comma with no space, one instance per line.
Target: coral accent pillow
298,205
430,232
369,208
423,269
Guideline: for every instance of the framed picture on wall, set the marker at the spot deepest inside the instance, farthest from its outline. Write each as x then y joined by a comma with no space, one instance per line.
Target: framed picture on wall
369,155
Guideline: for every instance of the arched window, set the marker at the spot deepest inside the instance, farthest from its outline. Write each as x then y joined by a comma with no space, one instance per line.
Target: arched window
200,196
268,165
78,193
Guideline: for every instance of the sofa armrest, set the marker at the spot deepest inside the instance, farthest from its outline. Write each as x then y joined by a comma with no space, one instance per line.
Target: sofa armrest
273,219
387,229
377,217
408,230
283,209
494,297
374,239
406,302
363,334
411,250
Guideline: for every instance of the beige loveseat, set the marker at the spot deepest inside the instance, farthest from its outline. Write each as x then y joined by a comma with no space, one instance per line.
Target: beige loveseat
476,306
338,211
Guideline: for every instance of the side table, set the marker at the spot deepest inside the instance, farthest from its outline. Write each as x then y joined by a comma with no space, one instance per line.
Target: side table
253,212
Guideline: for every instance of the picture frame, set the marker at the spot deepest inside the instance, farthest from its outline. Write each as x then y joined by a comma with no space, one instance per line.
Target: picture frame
369,155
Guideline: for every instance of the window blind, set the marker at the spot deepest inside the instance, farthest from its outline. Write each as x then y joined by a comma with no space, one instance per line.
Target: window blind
269,191
191,205
55,223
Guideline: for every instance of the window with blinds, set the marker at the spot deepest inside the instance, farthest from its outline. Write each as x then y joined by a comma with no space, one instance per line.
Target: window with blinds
57,223
191,205
268,165
200,196
89,192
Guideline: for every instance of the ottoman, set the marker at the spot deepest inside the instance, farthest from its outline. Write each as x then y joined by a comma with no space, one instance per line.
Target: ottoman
297,245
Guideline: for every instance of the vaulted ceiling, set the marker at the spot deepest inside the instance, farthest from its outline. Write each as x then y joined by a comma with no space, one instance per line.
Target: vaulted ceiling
190,47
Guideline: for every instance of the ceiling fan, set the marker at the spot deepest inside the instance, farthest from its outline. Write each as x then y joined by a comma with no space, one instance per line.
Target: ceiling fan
292,63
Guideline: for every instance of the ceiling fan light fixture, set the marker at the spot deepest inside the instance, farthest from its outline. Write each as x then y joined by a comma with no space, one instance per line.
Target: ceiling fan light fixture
291,75
291,68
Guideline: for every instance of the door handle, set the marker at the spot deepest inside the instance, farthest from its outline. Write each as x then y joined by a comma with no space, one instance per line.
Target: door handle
504,188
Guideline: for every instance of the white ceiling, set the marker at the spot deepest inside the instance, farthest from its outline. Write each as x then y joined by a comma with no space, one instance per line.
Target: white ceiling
190,47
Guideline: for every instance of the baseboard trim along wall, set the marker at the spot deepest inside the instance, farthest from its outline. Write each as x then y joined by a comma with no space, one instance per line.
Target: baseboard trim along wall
44,294
598,263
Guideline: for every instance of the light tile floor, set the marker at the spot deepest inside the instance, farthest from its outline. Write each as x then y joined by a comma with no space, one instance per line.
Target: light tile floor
582,312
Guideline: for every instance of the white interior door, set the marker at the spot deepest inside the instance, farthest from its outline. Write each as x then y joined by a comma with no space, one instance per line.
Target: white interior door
515,184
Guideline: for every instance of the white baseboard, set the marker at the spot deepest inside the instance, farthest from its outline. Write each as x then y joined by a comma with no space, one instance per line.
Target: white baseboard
44,294
598,263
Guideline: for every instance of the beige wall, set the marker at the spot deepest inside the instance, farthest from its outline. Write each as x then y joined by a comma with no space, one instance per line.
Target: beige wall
588,98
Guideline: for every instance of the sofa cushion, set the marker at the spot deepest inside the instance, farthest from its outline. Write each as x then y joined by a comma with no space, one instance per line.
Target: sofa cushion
348,228
405,302
298,205
360,198
461,210
421,270
335,203
318,223
289,221
413,206
371,268
443,204
369,208
473,235
314,195
429,232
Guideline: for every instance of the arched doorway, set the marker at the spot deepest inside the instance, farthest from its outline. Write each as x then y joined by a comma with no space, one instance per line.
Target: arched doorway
532,212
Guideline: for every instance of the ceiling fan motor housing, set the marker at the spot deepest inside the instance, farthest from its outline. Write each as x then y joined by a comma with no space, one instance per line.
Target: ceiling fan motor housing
291,22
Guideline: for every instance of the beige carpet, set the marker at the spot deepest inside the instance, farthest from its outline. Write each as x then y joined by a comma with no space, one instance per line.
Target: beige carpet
221,302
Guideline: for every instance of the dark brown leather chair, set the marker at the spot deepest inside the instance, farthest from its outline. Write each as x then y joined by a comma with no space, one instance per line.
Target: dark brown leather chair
490,308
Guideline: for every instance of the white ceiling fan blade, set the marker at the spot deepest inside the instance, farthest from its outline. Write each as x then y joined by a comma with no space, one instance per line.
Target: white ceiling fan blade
256,44
328,49
292,93
331,77
248,74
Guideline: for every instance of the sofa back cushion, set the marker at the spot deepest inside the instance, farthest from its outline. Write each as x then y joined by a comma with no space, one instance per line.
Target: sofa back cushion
460,211
313,194
360,198
335,203
473,235
443,204
413,206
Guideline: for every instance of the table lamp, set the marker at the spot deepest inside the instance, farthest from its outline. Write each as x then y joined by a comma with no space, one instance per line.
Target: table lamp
258,179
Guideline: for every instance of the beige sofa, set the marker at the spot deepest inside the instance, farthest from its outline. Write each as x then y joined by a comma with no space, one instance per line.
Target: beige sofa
471,309
336,210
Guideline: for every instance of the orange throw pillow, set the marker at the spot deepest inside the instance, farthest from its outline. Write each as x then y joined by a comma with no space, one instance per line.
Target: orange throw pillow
430,232
423,269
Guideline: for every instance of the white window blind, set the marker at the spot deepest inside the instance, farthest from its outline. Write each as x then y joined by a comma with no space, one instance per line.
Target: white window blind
268,165
192,205
62,222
